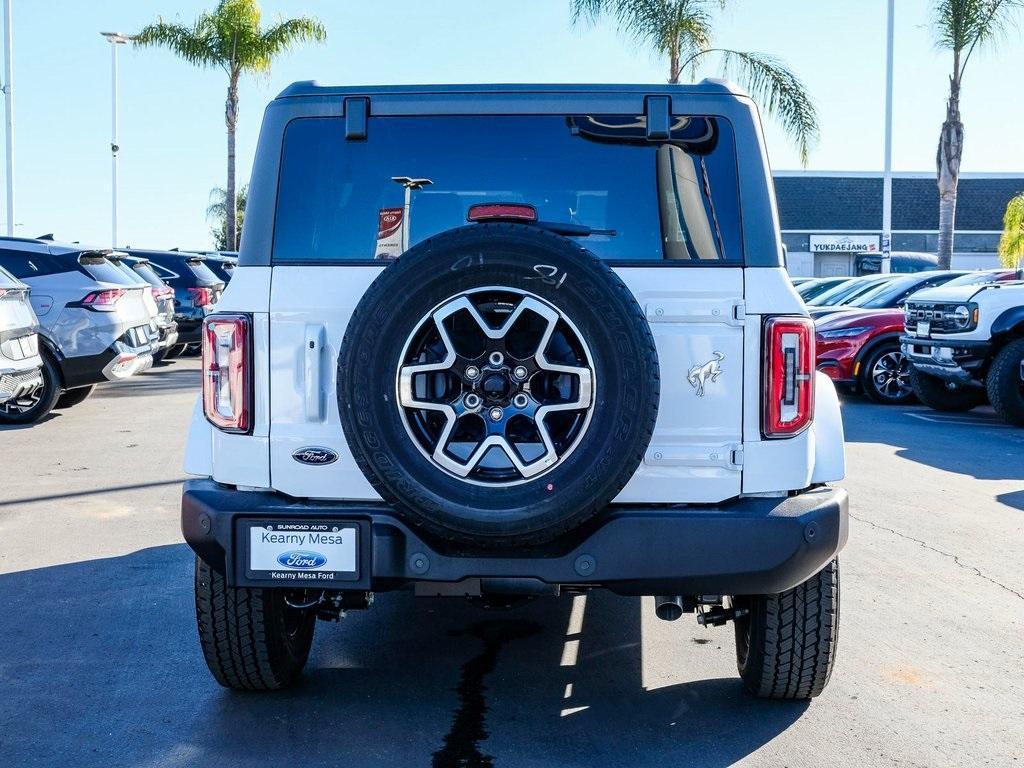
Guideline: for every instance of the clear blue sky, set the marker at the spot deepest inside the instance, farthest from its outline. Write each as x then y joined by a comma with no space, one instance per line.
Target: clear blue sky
172,128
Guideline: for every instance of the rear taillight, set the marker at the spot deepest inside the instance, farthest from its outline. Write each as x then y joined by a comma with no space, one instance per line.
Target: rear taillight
103,300
227,372
201,297
788,375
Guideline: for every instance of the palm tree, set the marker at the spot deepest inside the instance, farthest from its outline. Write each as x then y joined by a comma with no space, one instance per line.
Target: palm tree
960,27
217,211
681,30
1011,243
231,38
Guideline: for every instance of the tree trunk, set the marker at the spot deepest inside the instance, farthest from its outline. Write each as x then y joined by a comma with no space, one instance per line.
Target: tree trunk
947,166
674,67
231,198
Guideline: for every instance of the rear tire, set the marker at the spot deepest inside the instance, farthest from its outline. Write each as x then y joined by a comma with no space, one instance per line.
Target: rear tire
1005,385
786,643
940,396
74,396
251,639
35,407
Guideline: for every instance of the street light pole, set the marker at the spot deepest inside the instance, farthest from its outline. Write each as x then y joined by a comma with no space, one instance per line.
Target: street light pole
9,109
410,185
886,265
115,39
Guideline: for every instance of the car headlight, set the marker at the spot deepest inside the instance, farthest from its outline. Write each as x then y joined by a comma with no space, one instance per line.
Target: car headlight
842,333
961,316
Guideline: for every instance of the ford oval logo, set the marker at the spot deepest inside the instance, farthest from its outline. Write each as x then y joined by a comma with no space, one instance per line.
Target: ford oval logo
299,559
315,456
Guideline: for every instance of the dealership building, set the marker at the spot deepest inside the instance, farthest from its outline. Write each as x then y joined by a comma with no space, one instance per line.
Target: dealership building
832,220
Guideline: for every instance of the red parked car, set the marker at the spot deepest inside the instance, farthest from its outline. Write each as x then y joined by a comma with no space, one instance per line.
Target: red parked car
861,350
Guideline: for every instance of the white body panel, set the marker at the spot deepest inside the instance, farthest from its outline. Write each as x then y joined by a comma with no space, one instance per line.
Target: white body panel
704,449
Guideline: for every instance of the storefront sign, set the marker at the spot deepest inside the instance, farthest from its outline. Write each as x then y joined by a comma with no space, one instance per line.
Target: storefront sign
844,243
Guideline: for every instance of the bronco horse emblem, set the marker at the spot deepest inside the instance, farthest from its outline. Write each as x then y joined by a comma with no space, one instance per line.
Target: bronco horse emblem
701,374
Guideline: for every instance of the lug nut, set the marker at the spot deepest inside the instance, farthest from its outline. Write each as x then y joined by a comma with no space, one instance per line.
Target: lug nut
472,400
496,358
520,372
520,400
472,372
495,414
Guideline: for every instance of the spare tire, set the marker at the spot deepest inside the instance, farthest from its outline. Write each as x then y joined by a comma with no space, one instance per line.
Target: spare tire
498,384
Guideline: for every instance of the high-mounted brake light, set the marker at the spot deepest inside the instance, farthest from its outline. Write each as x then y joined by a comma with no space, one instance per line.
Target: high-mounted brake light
788,374
502,212
201,297
103,300
227,372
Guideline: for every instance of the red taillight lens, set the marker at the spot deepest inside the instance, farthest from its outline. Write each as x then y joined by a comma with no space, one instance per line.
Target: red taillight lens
502,212
103,299
227,372
788,375
201,297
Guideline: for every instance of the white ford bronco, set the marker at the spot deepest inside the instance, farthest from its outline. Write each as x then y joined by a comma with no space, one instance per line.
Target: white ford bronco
966,344
514,341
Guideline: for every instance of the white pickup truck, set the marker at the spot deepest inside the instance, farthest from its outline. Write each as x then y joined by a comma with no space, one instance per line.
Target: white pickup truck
507,342
966,343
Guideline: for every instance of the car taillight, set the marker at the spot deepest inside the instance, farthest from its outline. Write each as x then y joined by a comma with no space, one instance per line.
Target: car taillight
788,375
227,372
103,300
201,297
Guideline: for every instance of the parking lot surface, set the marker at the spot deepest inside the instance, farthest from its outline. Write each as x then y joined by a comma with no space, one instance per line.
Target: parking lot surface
100,665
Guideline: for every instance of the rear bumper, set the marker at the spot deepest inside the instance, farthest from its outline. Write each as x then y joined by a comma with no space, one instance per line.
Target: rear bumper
15,384
119,361
947,359
750,546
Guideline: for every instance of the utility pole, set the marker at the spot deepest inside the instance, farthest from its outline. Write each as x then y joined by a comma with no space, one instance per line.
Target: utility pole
886,265
9,109
410,185
115,39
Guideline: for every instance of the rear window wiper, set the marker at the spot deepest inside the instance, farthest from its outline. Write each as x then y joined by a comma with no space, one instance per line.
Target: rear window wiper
573,230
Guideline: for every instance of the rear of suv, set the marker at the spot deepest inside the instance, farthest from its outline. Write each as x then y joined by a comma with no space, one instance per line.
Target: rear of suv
20,365
95,323
514,341
196,292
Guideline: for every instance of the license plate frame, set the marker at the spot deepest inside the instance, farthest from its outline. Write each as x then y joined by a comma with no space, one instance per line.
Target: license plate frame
924,328
257,560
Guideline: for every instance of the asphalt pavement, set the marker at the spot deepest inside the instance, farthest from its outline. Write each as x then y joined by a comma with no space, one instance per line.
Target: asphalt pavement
100,664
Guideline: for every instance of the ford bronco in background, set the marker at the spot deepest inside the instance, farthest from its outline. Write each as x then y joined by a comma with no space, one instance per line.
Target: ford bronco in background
586,368
965,343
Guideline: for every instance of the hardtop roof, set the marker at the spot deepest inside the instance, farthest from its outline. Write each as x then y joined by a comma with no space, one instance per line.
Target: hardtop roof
706,87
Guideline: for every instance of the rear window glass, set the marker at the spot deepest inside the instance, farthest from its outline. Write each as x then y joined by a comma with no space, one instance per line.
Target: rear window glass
104,271
146,272
345,200
203,273
7,280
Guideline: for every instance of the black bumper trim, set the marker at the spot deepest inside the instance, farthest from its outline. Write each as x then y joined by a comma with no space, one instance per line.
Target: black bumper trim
750,546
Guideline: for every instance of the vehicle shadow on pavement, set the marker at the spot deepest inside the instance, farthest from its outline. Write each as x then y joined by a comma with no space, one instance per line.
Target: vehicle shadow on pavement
976,443
100,665
155,381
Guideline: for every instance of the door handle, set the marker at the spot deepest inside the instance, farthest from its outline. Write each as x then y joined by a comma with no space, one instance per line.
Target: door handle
314,349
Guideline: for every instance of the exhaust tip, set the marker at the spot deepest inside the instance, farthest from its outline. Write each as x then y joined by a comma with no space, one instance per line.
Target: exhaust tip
668,608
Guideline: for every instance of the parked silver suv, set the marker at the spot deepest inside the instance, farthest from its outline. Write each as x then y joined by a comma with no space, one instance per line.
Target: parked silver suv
95,324
20,364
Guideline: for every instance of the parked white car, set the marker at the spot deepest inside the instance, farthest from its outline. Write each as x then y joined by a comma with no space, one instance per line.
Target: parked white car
20,364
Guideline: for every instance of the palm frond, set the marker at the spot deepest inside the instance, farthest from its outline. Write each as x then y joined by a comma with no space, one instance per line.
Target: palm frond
963,25
778,92
1011,242
196,44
